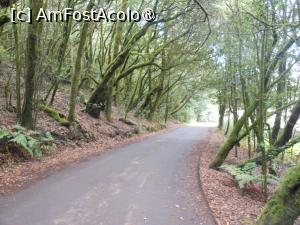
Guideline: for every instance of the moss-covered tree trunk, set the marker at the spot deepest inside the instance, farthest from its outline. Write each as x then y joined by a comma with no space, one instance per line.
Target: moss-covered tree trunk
31,61
222,109
62,51
162,76
261,114
289,127
18,70
280,90
117,43
155,103
284,141
96,103
76,76
284,207
281,86
233,138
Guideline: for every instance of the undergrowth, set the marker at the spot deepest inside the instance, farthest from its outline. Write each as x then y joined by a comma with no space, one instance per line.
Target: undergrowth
244,176
34,143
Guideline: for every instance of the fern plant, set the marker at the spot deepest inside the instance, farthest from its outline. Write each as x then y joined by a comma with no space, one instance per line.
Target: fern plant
34,143
4,133
244,176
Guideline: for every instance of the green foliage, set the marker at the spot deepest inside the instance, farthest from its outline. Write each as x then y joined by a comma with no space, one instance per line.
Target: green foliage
244,175
4,134
47,137
28,143
19,128
34,143
249,167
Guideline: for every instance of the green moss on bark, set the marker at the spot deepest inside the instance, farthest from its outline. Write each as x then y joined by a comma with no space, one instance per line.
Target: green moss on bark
284,206
59,117
233,138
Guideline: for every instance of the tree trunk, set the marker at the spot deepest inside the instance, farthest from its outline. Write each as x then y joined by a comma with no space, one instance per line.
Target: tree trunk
109,101
231,141
222,109
55,89
62,51
288,130
155,104
284,206
96,100
18,70
76,76
228,123
280,91
31,60
233,137
117,43
283,139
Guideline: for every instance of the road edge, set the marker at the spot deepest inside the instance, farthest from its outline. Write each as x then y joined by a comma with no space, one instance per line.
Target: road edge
198,172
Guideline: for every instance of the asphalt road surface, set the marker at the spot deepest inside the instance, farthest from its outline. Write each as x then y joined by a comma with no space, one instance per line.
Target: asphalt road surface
140,183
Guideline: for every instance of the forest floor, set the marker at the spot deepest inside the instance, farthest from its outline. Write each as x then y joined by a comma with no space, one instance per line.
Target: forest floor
230,205
104,136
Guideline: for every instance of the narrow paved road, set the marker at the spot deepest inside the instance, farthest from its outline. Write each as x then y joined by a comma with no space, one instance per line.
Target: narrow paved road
140,183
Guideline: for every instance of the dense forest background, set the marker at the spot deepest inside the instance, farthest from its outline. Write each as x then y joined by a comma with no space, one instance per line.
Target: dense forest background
140,67
241,55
